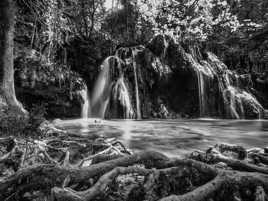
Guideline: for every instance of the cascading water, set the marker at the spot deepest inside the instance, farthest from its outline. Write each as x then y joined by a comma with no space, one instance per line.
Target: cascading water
102,88
231,100
212,71
110,97
201,92
121,98
203,72
85,105
221,92
128,55
134,53
236,100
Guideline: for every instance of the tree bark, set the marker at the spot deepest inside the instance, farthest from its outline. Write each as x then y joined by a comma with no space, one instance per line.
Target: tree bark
7,27
36,175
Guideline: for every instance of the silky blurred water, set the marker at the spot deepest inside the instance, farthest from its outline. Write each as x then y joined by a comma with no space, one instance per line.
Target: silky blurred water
175,138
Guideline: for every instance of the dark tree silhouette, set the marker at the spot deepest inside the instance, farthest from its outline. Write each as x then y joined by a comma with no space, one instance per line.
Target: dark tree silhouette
7,90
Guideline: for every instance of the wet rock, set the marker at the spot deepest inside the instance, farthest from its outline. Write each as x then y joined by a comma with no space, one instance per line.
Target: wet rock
51,85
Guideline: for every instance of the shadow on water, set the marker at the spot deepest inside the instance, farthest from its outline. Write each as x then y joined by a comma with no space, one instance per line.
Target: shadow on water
173,137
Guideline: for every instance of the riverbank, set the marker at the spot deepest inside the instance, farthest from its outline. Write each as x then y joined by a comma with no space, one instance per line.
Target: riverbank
72,167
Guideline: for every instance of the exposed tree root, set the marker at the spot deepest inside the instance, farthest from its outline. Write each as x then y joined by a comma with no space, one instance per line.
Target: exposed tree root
100,186
200,193
55,175
70,169
224,178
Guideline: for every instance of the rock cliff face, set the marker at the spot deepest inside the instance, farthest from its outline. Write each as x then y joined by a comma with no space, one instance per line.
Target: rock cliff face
53,86
166,79
163,79
213,89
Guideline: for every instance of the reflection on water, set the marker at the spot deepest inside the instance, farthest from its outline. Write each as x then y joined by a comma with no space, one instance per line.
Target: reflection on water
173,137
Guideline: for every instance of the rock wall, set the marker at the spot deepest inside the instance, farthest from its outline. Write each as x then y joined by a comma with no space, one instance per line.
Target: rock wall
163,79
166,79
53,86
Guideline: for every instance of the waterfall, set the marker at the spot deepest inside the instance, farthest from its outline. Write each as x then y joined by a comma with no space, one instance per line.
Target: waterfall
128,56
237,100
201,93
230,102
85,106
120,95
134,53
102,88
213,77
119,90
110,96
204,73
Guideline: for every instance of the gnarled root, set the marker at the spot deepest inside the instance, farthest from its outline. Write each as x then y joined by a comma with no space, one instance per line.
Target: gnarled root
224,172
160,182
47,176
99,188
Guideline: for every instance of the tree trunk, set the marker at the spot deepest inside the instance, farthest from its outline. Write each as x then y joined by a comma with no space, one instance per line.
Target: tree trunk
7,26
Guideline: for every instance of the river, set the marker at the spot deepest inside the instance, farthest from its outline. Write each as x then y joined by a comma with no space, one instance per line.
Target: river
175,138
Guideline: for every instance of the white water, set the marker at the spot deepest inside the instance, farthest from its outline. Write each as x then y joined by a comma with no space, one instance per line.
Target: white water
101,90
120,93
110,90
231,100
85,106
134,53
112,84
235,98
201,90
202,72
174,138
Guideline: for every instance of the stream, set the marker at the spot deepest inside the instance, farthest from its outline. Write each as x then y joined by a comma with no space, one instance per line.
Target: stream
175,138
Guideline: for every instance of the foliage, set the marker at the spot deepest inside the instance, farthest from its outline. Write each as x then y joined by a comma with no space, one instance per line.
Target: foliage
216,22
245,48
120,24
194,19
234,29
34,72
127,25
56,23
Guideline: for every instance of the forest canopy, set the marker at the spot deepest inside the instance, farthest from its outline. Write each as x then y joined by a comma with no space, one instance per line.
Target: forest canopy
227,26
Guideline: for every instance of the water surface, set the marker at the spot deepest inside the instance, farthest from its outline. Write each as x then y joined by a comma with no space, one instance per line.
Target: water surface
173,137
